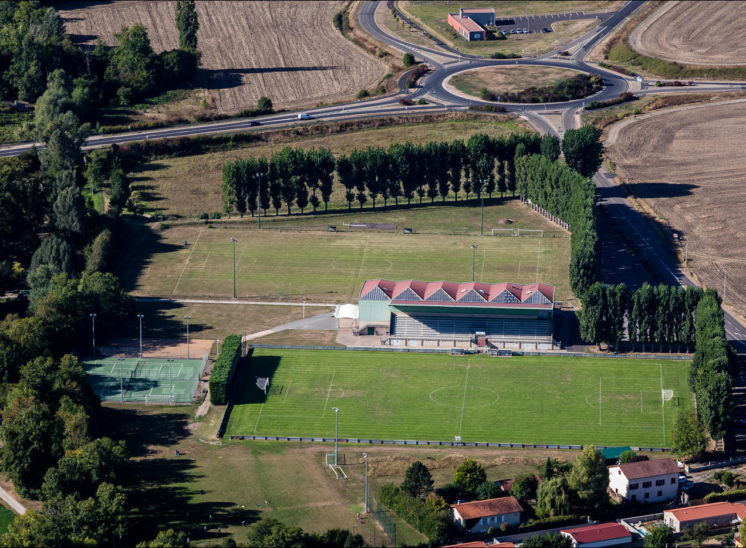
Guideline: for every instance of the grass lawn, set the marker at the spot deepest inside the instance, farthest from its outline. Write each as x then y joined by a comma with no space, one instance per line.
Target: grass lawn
436,397
324,267
434,17
11,124
6,518
501,80
190,185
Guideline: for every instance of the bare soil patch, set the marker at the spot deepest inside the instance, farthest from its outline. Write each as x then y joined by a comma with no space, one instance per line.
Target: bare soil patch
287,51
688,165
701,33
509,79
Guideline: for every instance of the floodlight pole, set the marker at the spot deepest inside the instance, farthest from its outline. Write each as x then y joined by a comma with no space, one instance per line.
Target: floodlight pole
140,317
336,435
473,258
259,199
365,500
187,318
234,266
93,332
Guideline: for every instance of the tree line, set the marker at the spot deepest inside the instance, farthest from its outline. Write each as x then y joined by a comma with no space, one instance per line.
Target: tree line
568,192
34,44
293,177
661,315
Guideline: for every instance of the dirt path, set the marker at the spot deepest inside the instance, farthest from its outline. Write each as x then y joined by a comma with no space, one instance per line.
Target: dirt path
16,506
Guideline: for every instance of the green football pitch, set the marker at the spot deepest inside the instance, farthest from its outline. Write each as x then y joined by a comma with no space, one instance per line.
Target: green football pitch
412,396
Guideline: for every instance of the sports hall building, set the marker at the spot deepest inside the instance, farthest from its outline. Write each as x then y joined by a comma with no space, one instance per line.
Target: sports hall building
501,315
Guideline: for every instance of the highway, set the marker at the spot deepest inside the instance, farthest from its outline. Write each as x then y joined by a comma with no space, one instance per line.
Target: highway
445,62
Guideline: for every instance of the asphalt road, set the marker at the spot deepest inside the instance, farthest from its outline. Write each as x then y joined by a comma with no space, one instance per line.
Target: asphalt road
641,239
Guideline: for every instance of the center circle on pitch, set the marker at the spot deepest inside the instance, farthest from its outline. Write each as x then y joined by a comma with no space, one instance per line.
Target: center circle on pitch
453,396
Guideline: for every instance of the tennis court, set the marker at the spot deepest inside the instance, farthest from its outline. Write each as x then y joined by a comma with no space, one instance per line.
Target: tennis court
149,380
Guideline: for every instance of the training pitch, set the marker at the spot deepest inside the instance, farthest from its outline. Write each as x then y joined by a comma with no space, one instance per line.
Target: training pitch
148,380
411,396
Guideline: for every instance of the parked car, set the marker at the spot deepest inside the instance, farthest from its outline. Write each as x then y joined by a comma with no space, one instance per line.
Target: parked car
526,31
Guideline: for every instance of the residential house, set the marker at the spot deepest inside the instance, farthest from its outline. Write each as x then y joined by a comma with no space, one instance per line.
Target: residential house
598,536
480,515
645,481
717,515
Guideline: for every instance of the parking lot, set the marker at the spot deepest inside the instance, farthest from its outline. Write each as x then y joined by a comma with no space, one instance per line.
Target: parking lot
543,23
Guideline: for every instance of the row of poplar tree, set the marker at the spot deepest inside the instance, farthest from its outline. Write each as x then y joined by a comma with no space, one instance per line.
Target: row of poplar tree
293,177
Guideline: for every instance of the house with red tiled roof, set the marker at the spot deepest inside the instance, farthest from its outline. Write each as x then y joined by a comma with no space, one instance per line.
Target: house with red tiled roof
598,536
645,481
718,515
480,515
504,315
470,22
481,544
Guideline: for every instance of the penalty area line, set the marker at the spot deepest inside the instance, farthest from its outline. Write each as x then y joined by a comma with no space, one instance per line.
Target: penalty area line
463,400
329,393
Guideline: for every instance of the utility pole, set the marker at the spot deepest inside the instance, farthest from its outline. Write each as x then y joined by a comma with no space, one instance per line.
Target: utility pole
365,500
140,317
93,332
187,318
473,258
336,435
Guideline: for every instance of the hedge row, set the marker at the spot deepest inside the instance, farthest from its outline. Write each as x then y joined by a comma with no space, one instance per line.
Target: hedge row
431,523
728,496
554,521
223,370
622,98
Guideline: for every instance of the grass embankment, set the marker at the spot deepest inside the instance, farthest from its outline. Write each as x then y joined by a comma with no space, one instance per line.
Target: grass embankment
189,185
436,397
526,84
433,16
618,53
7,517
291,264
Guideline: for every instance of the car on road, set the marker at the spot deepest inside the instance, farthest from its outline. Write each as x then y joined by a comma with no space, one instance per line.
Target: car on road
546,29
254,123
304,116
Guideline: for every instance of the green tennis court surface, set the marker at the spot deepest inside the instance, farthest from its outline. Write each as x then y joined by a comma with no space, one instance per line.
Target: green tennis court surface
412,396
149,380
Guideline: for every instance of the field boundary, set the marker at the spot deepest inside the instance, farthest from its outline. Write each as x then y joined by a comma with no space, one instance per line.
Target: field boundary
447,351
366,441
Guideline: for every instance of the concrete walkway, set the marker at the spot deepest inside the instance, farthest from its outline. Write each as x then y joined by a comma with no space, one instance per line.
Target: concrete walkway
320,322
16,506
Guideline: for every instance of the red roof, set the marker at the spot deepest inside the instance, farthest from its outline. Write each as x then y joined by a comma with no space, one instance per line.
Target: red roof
649,468
704,511
477,10
480,544
598,533
506,295
490,507
467,22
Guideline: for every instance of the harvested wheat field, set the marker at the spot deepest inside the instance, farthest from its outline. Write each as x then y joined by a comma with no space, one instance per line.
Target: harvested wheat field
287,51
688,165
696,33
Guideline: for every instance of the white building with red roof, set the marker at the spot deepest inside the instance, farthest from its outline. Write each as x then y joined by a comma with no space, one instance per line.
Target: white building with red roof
717,515
598,536
505,314
481,515
645,481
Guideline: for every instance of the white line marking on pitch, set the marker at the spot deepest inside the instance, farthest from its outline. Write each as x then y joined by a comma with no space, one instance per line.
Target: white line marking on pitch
463,401
258,417
329,393
600,401
286,393
663,408
194,246
538,255
359,270
484,260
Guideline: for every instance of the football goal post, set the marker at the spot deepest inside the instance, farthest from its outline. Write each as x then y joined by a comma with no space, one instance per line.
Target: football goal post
504,232
530,232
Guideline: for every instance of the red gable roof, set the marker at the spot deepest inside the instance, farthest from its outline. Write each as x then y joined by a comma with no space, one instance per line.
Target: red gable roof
705,511
649,468
490,507
468,293
598,533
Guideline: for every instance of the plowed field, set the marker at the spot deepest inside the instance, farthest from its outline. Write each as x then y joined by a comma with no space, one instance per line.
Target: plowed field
287,51
688,164
697,33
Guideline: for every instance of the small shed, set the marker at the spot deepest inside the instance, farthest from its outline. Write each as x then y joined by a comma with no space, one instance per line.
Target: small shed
347,315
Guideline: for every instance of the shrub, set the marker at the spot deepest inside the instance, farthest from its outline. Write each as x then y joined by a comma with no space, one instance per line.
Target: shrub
408,60
623,98
421,102
431,523
362,94
729,496
222,372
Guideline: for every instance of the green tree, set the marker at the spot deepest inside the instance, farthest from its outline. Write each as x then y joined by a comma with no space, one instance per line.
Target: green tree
524,487
547,470
417,481
593,313
689,439
489,490
549,540
589,478
553,498
659,536
550,147
188,24
264,105
228,187
469,476
132,67
274,534
54,252
167,538
408,60
120,191
583,149
69,214
346,178
699,533
627,456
